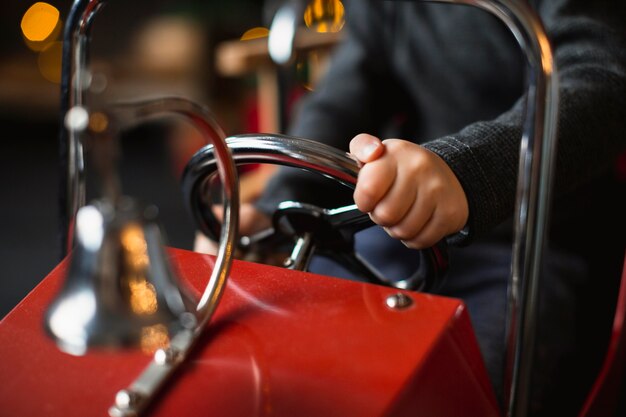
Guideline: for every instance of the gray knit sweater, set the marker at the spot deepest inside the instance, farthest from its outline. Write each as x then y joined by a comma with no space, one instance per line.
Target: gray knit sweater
450,77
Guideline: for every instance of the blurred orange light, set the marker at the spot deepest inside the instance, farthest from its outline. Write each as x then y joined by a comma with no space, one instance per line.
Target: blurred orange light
49,62
98,122
39,22
325,15
255,33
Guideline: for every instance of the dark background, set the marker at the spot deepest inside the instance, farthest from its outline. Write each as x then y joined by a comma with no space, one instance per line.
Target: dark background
29,161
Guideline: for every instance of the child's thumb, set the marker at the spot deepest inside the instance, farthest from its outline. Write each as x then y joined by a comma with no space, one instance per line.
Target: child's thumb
366,148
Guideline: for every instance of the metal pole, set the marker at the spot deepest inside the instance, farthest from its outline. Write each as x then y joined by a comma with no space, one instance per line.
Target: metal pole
537,153
74,81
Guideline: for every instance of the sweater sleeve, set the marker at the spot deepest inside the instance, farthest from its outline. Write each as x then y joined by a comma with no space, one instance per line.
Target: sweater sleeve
590,52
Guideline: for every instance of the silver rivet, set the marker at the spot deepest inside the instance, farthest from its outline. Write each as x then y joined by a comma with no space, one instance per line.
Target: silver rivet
288,263
125,399
166,356
398,301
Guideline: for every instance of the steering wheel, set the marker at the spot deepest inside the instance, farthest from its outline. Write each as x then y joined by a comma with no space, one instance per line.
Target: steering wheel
310,229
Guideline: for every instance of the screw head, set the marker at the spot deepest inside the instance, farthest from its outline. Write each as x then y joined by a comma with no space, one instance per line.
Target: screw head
167,356
398,301
126,399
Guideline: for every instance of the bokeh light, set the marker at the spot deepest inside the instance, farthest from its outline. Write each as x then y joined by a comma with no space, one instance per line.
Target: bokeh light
40,22
41,26
325,15
98,122
255,33
49,62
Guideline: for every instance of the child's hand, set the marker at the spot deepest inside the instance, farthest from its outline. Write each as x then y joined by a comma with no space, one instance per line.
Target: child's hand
408,190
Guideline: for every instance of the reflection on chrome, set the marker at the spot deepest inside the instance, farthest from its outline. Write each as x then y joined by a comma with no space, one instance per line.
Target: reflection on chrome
135,255
154,338
282,34
77,118
142,296
90,228
70,320
120,263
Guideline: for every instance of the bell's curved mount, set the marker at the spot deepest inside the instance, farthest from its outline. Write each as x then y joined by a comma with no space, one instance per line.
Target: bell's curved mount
120,289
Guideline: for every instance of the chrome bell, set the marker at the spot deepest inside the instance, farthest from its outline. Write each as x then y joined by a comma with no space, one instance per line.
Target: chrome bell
120,288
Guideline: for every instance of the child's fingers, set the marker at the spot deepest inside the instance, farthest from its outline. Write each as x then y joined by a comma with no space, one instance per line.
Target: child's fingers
366,148
374,181
415,220
433,231
397,202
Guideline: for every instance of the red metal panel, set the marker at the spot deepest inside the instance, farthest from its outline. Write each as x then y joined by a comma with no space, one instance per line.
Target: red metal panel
282,343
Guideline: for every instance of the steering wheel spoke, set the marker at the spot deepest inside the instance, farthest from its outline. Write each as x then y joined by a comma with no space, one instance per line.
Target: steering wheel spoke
308,229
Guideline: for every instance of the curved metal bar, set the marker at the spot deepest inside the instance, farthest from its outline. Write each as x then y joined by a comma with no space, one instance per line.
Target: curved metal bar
312,224
537,150
74,82
537,154
132,400
202,119
264,148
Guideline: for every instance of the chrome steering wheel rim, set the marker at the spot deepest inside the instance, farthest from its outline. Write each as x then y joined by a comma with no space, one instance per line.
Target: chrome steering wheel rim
311,156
